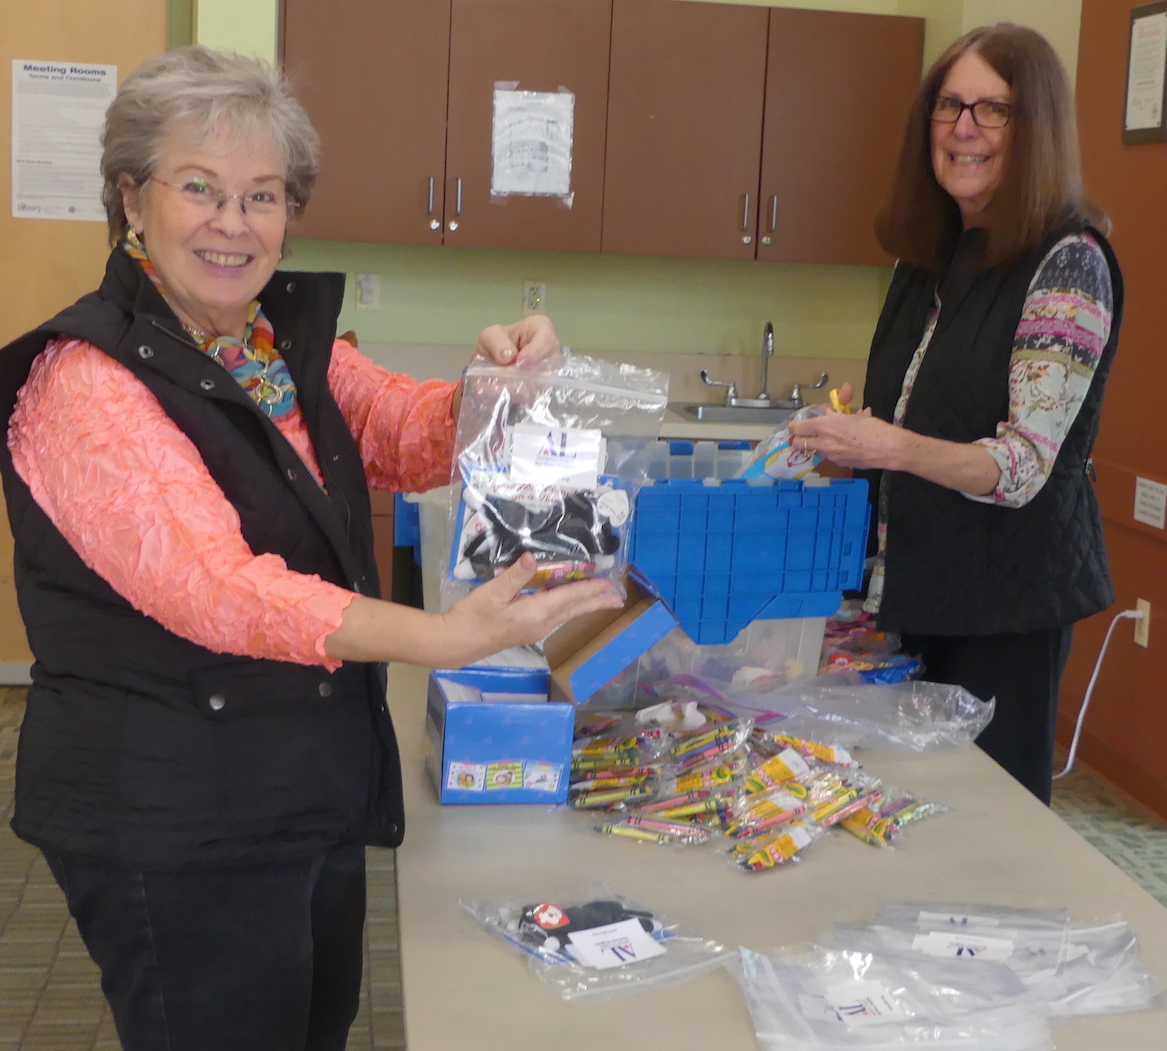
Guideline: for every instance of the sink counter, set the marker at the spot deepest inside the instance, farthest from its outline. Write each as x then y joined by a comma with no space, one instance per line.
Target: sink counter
677,425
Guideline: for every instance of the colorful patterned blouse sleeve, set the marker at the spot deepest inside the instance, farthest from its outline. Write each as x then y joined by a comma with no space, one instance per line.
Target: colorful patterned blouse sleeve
1064,327
131,494
404,429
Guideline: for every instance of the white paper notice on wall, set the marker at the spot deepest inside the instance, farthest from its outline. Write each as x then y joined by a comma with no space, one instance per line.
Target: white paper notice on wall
1148,61
57,112
1151,503
532,142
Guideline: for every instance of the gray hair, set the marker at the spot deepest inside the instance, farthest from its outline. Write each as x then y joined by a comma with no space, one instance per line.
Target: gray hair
209,88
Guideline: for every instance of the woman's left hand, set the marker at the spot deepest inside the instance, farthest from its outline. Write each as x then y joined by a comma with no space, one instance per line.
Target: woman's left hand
520,343
858,440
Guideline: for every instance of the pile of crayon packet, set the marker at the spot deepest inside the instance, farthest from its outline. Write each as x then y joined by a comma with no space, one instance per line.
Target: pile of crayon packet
688,773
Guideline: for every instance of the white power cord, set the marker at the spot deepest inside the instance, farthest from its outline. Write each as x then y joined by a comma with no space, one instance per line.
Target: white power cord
1126,614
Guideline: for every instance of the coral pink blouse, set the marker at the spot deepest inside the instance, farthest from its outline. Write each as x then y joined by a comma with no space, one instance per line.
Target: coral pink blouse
131,494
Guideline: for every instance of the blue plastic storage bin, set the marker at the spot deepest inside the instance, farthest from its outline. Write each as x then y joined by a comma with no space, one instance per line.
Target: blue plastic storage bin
723,556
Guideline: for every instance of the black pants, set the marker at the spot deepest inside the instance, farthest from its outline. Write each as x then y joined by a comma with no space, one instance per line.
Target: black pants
1022,672
256,958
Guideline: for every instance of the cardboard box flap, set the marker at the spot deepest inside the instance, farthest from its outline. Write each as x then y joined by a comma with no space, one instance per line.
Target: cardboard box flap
595,652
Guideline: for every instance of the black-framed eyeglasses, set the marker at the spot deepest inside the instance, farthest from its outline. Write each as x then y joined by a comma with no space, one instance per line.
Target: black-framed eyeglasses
986,113
204,196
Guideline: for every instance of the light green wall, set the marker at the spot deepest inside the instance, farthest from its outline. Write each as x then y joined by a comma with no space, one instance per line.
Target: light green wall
611,303
633,303
247,26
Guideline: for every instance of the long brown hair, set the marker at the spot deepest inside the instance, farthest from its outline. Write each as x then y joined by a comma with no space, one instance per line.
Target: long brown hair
1041,186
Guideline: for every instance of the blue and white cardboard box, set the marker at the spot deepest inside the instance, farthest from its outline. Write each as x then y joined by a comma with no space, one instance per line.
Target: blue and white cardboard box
486,743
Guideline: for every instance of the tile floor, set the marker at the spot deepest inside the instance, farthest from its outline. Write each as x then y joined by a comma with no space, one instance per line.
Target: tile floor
49,995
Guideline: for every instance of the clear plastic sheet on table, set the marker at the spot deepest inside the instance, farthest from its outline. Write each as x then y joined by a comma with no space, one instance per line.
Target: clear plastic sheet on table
907,716
1099,969
645,951
822,999
1104,972
548,459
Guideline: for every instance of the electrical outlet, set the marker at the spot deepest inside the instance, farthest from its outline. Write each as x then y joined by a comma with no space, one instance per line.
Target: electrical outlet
368,292
534,298
1143,627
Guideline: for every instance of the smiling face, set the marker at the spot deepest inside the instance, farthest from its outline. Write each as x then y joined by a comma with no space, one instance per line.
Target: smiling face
968,160
212,261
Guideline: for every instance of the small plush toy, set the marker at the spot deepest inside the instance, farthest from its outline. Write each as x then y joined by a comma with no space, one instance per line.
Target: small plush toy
546,926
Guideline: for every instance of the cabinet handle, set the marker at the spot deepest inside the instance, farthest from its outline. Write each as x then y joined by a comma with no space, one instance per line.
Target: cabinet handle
773,213
746,212
429,208
458,195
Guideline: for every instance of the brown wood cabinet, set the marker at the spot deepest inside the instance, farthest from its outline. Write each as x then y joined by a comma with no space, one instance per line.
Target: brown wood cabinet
838,90
701,129
541,45
684,127
372,75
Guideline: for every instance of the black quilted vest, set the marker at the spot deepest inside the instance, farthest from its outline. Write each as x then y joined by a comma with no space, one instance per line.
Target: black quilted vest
141,748
954,566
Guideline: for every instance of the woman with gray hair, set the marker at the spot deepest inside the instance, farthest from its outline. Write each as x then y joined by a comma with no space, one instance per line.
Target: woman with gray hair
206,750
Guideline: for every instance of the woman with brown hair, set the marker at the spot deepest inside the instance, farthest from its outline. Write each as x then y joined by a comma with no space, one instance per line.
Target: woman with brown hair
984,389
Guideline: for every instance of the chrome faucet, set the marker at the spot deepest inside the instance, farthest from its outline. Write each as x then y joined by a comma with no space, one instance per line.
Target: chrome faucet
763,399
795,401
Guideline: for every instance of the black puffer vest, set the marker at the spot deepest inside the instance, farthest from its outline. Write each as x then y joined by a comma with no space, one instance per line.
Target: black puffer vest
141,748
955,566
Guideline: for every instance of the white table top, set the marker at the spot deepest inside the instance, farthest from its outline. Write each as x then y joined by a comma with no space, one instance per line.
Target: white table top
464,988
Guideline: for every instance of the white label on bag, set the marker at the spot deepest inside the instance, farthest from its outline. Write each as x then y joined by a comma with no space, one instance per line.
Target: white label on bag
963,944
865,1003
613,505
616,945
957,919
795,763
555,456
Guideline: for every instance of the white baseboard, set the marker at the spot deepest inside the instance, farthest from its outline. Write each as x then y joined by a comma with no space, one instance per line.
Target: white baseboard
15,674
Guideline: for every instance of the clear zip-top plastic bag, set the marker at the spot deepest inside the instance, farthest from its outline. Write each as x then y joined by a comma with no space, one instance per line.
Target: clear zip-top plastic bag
548,460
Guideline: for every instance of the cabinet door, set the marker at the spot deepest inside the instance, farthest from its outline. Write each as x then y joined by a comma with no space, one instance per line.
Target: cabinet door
539,45
684,128
838,89
372,75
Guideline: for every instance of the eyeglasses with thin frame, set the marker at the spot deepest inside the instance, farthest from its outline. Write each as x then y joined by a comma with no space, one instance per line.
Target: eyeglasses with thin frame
986,113
200,194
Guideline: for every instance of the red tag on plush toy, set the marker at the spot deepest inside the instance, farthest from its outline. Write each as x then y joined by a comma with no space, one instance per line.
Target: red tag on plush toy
549,916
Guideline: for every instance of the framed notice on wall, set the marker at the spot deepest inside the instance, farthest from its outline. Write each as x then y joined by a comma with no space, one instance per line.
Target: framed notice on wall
1146,75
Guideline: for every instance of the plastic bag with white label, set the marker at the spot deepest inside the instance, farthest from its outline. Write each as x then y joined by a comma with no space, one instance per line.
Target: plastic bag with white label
1097,968
548,459
598,946
1031,942
822,999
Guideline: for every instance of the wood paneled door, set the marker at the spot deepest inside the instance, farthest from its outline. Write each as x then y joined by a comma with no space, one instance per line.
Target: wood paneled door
538,45
684,128
372,75
838,90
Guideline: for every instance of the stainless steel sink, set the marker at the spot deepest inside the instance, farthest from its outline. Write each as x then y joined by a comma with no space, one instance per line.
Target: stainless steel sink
771,415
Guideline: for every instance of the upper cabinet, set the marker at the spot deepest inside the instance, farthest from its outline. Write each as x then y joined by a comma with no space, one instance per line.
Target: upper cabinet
684,128
530,45
838,90
700,129
372,75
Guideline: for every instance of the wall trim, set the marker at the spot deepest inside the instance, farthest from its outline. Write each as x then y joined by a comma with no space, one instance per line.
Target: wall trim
15,674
